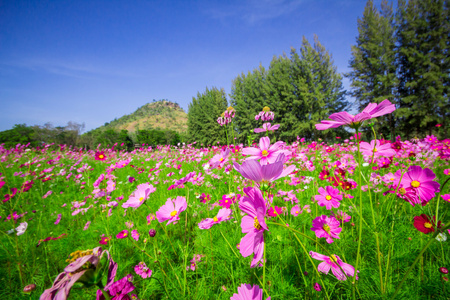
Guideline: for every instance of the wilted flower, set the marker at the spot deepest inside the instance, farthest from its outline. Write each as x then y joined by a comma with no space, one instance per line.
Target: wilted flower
87,267
29,288
22,228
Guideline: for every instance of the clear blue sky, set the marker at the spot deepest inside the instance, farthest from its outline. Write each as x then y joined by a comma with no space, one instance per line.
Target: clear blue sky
93,61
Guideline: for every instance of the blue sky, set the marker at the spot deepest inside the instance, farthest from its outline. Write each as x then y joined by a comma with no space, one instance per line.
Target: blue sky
93,61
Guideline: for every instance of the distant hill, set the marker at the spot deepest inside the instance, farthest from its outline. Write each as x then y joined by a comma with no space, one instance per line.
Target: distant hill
161,114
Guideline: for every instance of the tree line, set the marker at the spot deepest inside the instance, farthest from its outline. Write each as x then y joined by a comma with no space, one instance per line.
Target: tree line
402,56
71,135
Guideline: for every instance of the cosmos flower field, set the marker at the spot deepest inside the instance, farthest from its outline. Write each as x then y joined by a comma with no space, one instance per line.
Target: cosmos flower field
285,221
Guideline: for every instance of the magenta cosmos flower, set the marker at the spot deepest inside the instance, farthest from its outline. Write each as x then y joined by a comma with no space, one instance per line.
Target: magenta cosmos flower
329,197
171,210
327,227
333,262
375,149
417,185
138,197
372,110
248,292
266,153
253,224
267,127
222,215
253,170
123,234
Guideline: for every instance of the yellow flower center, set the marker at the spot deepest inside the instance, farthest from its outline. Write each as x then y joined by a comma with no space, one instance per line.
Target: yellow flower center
77,254
264,153
326,227
402,191
256,224
230,108
328,197
100,156
415,183
266,108
333,258
221,159
141,199
428,225
174,213
297,212
215,219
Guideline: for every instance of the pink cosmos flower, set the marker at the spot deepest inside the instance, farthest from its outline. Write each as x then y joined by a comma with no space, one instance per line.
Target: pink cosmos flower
222,215
135,235
341,216
219,160
171,210
86,226
417,185
196,259
375,149
253,170
372,110
142,270
333,262
138,197
295,210
267,127
327,227
253,224
58,219
266,153
329,197
248,292
150,218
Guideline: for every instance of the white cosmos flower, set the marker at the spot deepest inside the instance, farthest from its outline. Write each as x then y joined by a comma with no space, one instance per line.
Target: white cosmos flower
441,237
22,228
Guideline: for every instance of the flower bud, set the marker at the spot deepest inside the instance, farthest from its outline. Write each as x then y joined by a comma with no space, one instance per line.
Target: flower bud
29,288
152,232
443,270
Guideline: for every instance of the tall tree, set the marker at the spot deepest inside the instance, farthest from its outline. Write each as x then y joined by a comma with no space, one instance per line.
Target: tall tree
202,117
373,75
319,86
424,65
301,89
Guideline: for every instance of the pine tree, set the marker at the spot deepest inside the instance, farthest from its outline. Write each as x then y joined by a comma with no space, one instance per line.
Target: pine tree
202,117
424,65
373,75
319,89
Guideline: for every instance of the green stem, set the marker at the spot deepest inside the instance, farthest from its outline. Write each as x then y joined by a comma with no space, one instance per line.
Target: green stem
418,258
